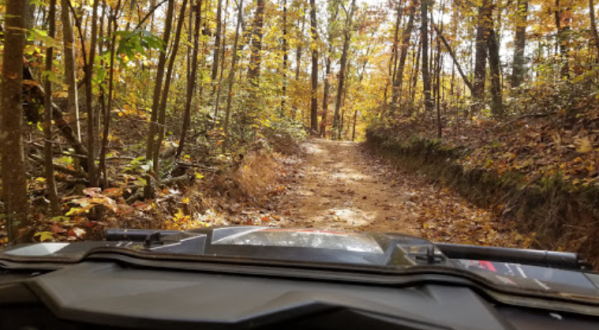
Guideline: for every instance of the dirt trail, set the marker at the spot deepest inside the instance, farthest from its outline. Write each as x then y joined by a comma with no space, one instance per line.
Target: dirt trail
340,186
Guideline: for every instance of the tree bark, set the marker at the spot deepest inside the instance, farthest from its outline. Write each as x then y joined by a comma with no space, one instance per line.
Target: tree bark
256,47
314,89
167,87
405,43
454,58
415,76
426,78
191,83
594,25
89,97
285,59
337,125
298,62
520,43
480,64
70,68
327,83
217,38
106,131
232,71
158,86
495,67
563,29
14,182
49,169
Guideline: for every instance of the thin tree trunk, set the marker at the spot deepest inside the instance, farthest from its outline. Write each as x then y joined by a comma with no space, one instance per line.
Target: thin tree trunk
347,36
394,57
49,167
405,43
353,134
14,181
232,71
426,78
494,65
562,37
314,89
148,190
191,83
89,96
327,83
158,83
454,58
222,69
106,131
285,59
167,86
298,62
217,38
480,71
415,75
594,25
70,68
520,43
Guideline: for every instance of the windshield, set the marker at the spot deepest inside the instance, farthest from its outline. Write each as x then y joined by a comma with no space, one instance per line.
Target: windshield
329,128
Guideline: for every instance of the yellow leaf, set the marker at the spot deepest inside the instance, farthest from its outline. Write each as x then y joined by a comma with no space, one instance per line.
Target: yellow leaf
198,175
185,200
40,179
45,235
583,145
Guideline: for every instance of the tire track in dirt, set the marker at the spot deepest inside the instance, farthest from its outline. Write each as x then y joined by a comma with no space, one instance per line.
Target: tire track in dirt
340,186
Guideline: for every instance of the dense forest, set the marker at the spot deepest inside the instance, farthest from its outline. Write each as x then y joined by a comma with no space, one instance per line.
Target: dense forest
106,104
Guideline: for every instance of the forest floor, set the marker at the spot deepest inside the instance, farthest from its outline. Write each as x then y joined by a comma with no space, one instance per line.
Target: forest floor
339,185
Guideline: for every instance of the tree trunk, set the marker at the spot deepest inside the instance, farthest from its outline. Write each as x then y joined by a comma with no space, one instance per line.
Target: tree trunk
49,169
106,131
216,40
191,83
70,68
426,78
454,58
298,62
520,43
232,71
594,25
494,65
393,60
480,71
256,47
563,29
222,69
167,87
353,134
14,182
415,75
314,89
89,97
157,91
285,59
327,83
405,44
347,36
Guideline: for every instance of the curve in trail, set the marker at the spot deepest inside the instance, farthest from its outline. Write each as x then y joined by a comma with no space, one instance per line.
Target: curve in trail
341,186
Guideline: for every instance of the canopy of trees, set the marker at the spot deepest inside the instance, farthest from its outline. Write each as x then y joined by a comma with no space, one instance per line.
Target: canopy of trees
122,93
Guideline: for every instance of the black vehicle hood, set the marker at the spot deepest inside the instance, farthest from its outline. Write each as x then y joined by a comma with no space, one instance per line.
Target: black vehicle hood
539,271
